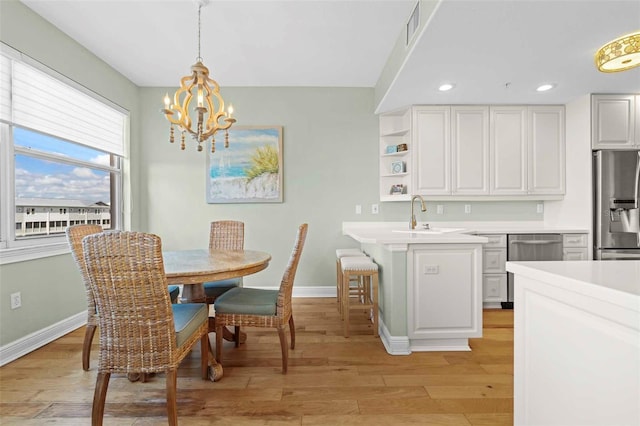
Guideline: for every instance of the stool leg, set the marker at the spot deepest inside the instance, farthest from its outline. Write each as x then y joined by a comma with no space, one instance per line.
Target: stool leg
339,284
345,302
374,302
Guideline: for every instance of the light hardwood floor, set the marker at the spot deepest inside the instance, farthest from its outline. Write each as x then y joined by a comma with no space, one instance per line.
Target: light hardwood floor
331,381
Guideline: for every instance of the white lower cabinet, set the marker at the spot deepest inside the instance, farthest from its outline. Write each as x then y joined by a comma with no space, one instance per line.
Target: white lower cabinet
574,247
494,274
444,306
494,290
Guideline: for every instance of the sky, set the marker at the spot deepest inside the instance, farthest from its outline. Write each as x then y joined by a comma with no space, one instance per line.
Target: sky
37,178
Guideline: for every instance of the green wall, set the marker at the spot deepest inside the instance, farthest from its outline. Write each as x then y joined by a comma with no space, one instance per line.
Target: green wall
329,165
51,287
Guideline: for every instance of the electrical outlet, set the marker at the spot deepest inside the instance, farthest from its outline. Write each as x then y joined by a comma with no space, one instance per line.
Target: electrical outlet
431,269
358,209
467,208
375,209
540,208
440,209
16,300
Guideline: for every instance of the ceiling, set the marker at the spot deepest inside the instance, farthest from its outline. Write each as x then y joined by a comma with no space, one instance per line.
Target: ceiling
495,52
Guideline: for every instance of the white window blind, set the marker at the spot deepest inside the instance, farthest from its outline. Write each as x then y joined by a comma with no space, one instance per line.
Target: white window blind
43,103
5,89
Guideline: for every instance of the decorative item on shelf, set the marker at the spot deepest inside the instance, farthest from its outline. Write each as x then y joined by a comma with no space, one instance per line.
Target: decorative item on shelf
402,147
620,54
209,113
391,149
398,189
398,167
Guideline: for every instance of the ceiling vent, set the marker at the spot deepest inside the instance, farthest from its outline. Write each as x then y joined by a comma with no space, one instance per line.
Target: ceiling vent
413,23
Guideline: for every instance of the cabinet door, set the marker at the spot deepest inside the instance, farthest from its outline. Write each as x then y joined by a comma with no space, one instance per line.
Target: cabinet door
470,150
432,152
494,260
508,149
494,288
444,292
613,121
575,254
546,163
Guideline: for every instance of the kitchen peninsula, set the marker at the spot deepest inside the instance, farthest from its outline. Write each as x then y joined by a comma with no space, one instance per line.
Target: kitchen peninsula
577,342
430,296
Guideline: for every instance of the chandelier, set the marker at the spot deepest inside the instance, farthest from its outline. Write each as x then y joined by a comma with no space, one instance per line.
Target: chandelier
208,115
620,54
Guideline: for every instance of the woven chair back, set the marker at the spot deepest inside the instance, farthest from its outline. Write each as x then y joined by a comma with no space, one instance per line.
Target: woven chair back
283,305
226,235
75,234
126,273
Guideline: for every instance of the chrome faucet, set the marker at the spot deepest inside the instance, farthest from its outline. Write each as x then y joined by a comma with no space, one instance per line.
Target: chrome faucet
412,223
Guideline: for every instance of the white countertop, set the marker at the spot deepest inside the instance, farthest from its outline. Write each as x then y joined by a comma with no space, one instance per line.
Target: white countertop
617,281
386,232
399,233
503,227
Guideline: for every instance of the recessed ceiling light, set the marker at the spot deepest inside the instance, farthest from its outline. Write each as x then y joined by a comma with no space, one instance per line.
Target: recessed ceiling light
445,87
545,87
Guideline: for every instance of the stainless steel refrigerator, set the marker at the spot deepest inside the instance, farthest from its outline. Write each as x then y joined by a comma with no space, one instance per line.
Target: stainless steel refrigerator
616,215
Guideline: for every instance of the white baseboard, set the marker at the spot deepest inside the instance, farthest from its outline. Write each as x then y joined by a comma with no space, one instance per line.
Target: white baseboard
311,291
395,345
35,340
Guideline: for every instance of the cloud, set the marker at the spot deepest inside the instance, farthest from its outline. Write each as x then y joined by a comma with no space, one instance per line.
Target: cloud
104,160
83,172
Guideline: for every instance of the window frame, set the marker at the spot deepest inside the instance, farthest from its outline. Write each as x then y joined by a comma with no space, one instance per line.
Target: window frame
35,247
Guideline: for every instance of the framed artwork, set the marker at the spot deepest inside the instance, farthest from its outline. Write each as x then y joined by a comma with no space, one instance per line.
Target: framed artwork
250,170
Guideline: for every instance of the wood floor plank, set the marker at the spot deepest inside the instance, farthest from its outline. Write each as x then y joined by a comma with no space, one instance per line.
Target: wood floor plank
331,380
386,420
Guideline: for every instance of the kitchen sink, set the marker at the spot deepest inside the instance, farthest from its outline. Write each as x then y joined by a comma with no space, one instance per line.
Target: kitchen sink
429,231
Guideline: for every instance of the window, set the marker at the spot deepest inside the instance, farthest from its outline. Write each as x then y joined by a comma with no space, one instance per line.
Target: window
61,151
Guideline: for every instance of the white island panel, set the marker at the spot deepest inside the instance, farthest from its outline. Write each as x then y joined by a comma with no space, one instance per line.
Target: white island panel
577,343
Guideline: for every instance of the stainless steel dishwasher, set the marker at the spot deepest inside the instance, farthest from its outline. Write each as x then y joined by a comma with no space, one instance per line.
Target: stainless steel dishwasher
525,247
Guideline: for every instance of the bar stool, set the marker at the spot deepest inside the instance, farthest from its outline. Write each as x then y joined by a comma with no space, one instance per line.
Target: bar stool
340,253
365,272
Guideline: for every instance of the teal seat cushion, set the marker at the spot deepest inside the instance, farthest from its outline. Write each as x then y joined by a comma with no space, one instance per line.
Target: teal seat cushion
187,318
174,292
248,301
214,289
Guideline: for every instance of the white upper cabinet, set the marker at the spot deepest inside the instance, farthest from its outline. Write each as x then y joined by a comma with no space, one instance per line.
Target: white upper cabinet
546,150
615,121
473,151
470,150
508,147
432,150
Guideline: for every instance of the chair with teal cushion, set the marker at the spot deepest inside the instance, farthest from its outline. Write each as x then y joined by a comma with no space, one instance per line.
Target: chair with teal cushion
174,292
224,235
75,234
144,332
254,307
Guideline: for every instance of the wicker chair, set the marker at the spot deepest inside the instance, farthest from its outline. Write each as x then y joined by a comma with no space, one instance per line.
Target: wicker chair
75,234
144,333
262,308
224,235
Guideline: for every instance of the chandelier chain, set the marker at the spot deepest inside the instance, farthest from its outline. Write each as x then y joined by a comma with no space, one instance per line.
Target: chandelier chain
199,58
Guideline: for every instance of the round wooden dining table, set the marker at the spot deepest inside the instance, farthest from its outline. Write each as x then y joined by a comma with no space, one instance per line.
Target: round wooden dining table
193,268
